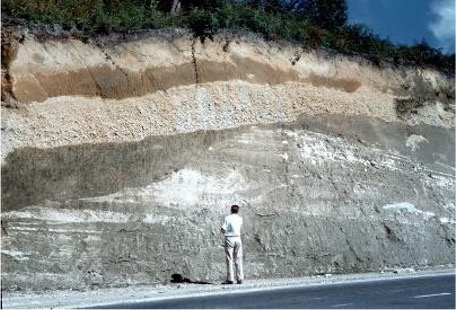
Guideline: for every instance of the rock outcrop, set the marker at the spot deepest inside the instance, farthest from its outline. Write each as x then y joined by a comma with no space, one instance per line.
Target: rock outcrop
121,155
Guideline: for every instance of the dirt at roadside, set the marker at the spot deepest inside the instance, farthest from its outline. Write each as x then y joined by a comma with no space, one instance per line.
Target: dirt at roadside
73,299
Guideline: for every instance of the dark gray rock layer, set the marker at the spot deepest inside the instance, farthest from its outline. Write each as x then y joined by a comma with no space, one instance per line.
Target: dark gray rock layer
328,194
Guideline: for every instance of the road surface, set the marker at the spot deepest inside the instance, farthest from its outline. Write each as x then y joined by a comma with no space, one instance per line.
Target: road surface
429,292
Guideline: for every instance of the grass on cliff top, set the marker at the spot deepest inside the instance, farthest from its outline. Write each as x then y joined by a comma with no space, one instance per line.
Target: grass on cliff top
205,18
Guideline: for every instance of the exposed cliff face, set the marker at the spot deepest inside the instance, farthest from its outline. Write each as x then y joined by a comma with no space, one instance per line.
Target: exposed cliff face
118,90
123,154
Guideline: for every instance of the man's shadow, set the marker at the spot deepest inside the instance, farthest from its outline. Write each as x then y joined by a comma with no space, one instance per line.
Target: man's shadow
178,278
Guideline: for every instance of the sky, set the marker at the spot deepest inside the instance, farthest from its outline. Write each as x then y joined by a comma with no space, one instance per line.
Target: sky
408,21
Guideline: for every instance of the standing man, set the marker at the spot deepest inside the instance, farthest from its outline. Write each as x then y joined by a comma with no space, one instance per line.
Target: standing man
231,228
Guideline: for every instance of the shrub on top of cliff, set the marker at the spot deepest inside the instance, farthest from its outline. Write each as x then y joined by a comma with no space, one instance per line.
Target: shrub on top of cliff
361,39
256,20
90,15
203,23
423,55
127,15
327,14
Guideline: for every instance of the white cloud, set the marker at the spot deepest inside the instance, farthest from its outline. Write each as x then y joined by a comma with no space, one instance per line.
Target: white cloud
443,26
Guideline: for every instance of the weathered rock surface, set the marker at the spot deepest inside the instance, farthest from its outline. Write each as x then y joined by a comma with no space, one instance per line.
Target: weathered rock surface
123,155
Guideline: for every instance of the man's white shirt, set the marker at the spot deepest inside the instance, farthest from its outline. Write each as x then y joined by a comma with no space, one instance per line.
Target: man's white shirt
232,225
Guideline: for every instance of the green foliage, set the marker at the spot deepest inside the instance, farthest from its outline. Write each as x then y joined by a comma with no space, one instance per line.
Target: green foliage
312,23
327,14
90,15
203,23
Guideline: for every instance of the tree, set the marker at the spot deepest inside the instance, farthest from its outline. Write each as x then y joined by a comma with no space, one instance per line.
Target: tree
202,4
327,14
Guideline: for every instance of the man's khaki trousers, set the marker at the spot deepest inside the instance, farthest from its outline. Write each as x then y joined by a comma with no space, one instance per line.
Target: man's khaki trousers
233,251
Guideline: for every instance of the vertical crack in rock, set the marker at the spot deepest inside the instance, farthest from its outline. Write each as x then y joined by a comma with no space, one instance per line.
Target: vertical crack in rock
4,225
390,234
296,58
117,67
445,234
226,46
257,238
109,59
97,85
194,61
352,249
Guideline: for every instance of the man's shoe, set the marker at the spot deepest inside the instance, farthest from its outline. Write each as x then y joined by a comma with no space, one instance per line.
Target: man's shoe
239,282
227,282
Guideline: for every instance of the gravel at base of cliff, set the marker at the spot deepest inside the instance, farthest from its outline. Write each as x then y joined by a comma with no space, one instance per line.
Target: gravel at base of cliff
66,299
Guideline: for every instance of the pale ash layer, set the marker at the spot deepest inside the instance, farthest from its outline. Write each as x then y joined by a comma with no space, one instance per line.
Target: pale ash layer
76,120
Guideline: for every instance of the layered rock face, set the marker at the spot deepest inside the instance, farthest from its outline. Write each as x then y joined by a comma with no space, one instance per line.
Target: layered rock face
122,154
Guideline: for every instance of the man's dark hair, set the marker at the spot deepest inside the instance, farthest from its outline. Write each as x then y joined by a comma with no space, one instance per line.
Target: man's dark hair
234,209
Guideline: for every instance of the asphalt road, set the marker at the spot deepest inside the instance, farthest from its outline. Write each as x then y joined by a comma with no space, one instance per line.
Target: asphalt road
429,292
